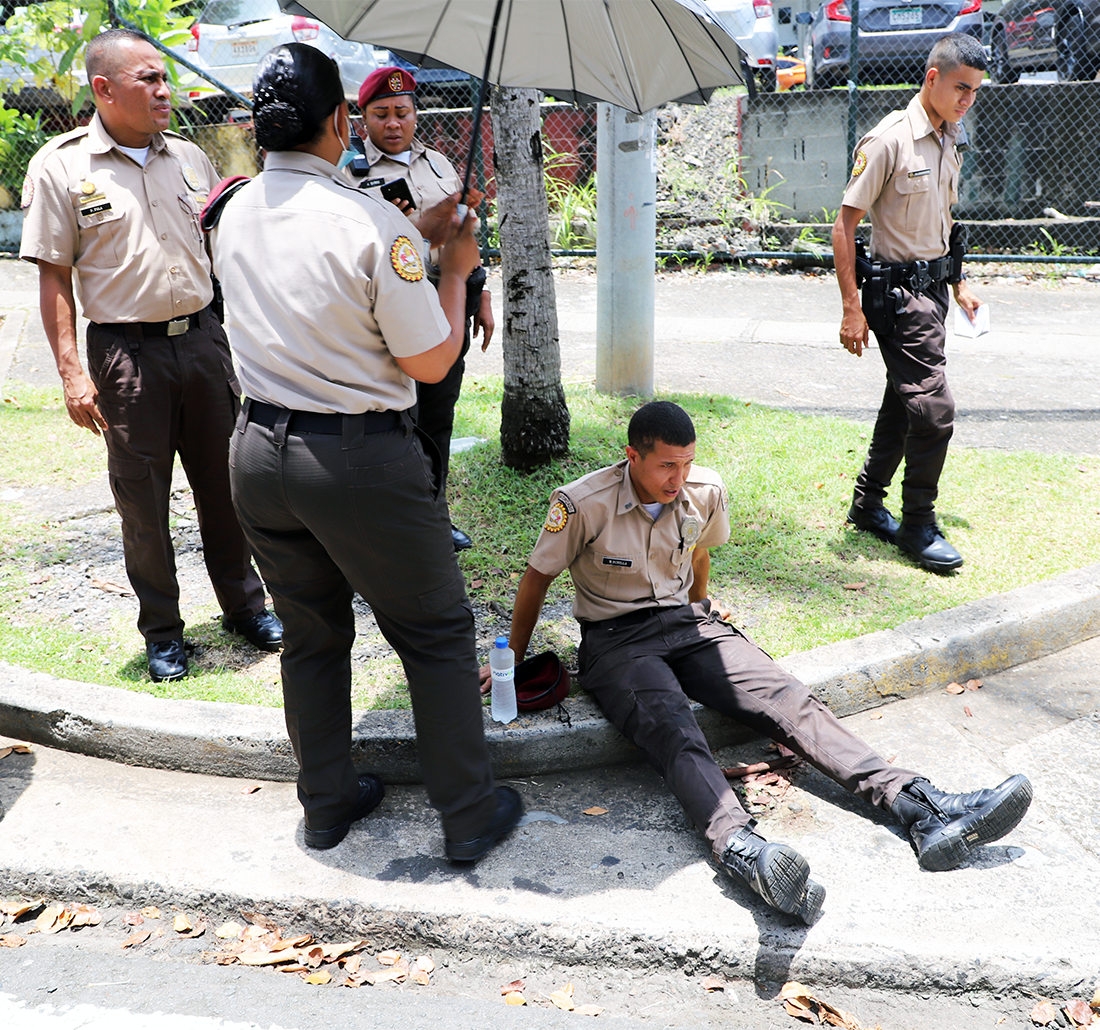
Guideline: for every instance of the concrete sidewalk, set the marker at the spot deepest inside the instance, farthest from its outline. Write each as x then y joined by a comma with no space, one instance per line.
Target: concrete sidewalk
631,887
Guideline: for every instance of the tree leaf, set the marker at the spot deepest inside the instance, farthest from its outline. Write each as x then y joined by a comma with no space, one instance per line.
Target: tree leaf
151,912
514,998
229,929
12,940
1078,1011
136,938
15,909
514,987
322,976
181,924
388,958
588,1010
954,688
595,810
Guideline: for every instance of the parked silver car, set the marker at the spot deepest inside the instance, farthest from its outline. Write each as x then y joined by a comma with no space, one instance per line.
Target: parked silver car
894,38
231,36
752,24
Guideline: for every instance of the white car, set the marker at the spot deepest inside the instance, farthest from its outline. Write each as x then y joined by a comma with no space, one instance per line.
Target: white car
752,24
231,36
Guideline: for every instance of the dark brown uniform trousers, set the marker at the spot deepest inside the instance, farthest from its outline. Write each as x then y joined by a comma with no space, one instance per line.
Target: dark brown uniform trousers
332,513
434,411
162,395
645,668
917,415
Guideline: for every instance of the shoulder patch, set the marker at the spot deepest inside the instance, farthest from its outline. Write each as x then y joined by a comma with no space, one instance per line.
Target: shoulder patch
859,164
406,261
556,517
28,191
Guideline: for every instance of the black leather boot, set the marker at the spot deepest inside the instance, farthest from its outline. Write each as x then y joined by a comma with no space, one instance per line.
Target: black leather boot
946,828
778,873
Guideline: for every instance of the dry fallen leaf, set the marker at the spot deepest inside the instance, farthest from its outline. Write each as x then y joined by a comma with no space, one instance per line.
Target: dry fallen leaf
974,684
595,810
477,583
875,715
85,915
588,1010
322,976
351,964
53,919
335,951
151,912
968,712
14,749
314,956
133,919
514,986
424,964
197,930
181,924
1043,1014
267,958
1078,1011
388,958
250,789
712,983
514,998
264,922
15,909
136,938
230,929
12,940
292,942
954,688
1095,1003
111,588
420,976
561,1000
39,577
854,586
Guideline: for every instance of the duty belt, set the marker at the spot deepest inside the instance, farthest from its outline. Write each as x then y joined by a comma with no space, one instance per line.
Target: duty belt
916,276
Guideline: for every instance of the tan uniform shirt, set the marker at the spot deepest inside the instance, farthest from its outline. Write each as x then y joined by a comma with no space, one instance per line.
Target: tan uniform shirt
907,180
619,558
324,285
131,234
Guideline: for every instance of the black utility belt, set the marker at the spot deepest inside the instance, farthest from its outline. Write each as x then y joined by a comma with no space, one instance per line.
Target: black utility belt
173,327
916,276
320,422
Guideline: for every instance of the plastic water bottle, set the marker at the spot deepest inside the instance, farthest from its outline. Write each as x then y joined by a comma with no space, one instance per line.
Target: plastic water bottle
502,664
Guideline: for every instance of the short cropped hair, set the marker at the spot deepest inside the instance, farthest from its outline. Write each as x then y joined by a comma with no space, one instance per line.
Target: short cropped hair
659,422
101,53
956,50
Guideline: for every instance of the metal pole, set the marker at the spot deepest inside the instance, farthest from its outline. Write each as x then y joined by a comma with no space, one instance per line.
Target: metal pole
853,81
626,247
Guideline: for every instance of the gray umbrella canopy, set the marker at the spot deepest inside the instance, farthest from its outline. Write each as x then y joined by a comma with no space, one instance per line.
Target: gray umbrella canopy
636,54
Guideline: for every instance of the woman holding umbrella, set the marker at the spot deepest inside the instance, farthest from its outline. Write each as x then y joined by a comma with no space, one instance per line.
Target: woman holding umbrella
331,319
387,100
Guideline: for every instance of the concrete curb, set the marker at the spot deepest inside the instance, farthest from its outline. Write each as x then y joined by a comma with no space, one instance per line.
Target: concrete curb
976,639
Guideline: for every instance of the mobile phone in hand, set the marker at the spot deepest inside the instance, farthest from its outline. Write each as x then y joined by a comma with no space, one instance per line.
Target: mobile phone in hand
398,190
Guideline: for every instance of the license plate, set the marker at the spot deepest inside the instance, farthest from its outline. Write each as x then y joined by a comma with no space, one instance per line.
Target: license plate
905,16
247,47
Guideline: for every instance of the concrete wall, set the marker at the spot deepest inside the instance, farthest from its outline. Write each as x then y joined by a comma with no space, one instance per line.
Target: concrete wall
1033,146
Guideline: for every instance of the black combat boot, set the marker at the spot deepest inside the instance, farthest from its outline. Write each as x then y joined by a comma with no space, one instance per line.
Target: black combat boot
946,828
778,873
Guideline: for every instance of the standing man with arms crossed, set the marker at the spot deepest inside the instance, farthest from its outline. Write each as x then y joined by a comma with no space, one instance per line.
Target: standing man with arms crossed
906,175
387,100
118,202
636,539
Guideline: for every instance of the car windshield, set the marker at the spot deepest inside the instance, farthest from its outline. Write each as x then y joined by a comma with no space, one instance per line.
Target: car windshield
239,12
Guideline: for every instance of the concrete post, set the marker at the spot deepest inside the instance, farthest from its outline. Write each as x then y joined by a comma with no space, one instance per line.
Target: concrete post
626,245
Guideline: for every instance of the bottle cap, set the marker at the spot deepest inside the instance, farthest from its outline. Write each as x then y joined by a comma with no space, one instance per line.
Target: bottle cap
502,642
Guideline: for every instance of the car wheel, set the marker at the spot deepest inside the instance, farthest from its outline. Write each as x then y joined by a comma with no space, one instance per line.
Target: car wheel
1002,71
1071,63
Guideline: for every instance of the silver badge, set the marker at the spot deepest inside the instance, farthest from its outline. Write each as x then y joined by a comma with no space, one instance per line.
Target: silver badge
689,532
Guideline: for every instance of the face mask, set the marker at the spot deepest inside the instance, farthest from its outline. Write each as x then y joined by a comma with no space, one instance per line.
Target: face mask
346,156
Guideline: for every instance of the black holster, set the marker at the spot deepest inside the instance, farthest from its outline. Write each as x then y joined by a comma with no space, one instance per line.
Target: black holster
880,299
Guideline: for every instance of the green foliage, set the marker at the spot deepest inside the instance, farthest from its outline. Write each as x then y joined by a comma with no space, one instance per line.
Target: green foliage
574,204
20,137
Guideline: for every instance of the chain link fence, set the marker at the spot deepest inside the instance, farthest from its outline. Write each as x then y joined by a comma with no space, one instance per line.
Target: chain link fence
752,173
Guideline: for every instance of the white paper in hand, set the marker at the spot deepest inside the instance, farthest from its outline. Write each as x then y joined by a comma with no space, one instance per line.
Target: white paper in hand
980,325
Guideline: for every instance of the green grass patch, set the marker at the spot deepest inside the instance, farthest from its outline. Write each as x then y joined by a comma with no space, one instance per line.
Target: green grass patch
794,575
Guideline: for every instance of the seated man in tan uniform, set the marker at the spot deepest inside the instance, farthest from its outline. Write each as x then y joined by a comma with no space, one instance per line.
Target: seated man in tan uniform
636,539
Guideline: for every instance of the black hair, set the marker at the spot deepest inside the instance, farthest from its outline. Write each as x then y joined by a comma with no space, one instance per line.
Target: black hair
101,53
659,422
296,88
954,51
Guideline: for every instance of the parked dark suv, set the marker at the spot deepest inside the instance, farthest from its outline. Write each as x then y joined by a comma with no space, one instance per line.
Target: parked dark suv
1040,35
894,37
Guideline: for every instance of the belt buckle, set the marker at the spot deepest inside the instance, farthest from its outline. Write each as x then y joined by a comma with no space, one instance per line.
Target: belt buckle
178,326
921,278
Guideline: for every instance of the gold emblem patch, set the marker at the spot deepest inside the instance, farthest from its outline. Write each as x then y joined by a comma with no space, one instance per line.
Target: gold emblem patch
87,188
405,259
395,82
556,518
191,177
859,164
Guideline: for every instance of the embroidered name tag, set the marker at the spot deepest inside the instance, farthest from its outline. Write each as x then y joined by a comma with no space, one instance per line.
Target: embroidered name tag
370,183
619,563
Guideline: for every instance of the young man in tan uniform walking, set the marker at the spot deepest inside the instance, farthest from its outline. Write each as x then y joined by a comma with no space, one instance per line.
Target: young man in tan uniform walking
636,539
906,176
118,203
